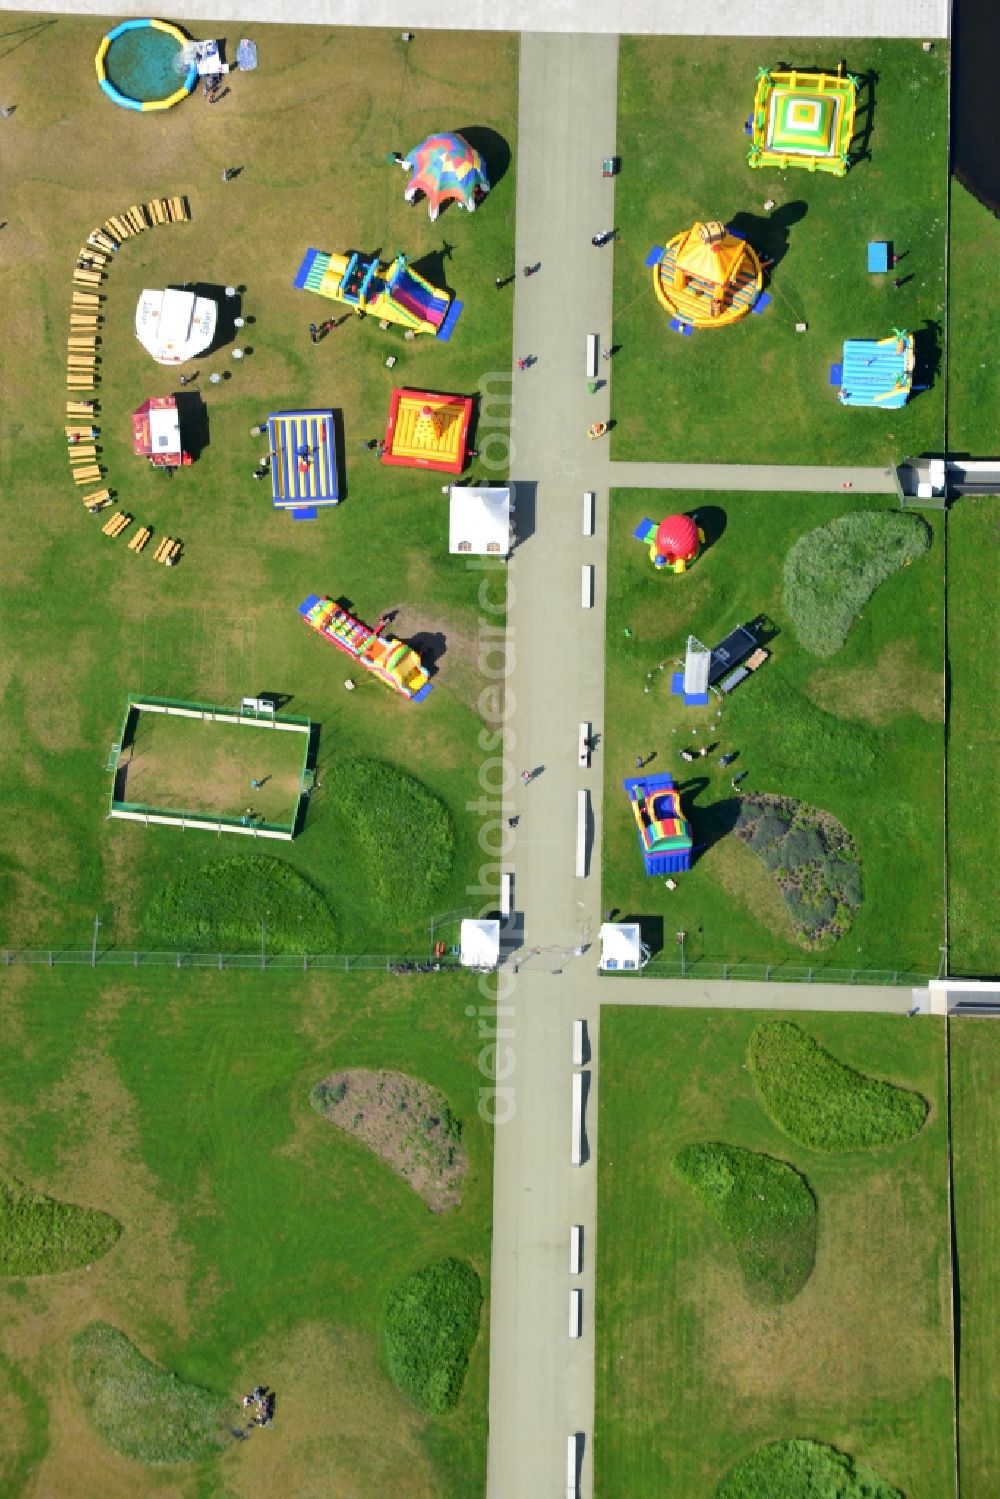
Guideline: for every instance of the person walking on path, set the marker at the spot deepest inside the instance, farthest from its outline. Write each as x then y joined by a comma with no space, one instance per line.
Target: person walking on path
512,822
896,283
313,335
529,270
735,782
228,173
725,760
524,364
498,283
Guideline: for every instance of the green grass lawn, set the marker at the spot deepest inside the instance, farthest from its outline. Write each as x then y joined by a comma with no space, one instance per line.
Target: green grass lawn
311,129
692,1376
973,368
858,736
259,1245
975,1084
759,391
973,746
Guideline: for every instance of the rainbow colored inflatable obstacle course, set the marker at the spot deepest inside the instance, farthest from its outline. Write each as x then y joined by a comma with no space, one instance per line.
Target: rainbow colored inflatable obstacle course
392,293
391,660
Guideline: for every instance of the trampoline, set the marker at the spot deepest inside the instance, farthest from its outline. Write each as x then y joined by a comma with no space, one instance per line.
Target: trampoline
142,65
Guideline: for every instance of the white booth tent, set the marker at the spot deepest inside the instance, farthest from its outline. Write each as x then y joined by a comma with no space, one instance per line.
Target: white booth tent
479,520
479,944
622,949
174,325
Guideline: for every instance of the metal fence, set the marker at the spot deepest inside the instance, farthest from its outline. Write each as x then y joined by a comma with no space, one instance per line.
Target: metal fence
780,973
695,969
121,957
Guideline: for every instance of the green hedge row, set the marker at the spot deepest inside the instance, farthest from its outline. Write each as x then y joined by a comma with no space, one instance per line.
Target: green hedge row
220,907
799,1469
822,1103
764,1207
430,1324
40,1236
403,832
832,572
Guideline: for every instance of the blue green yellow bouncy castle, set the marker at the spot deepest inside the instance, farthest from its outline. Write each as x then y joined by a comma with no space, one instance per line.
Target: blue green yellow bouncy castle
803,120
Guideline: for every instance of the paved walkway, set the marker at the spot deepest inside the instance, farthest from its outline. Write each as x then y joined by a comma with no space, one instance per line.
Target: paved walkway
808,18
541,1381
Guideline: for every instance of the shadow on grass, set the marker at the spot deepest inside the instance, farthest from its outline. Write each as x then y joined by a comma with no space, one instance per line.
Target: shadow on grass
494,150
769,233
713,520
229,309
709,823
859,148
192,416
927,356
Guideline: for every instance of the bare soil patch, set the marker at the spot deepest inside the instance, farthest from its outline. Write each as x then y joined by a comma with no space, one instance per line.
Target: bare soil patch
193,765
408,1124
895,685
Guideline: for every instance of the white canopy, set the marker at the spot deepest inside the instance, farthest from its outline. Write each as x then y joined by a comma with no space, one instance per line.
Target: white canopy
479,521
174,325
479,944
621,946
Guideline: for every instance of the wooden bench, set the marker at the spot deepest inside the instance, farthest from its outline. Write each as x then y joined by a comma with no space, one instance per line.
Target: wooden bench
79,408
80,343
84,322
138,217
140,539
102,240
93,258
79,382
117,226
98,500
87,278
757,659
87,475
168,551
81,454
118,523
87,299
90,433
157,210
178,209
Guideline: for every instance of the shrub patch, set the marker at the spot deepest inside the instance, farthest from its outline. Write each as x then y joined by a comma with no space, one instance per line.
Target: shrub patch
799,1469
408,1124
142,1411
814,861
823,1103
764,1207
403,833
430,1324
832,572
218,908
40,1235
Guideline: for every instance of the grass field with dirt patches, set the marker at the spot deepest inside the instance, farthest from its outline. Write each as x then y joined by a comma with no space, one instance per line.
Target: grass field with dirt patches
258,1244
975,1113
311,129
692,1375
859,735
759,391
202,766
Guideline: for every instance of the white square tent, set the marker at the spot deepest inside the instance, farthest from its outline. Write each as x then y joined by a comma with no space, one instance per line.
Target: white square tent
622,949
480,520
479,944
174,325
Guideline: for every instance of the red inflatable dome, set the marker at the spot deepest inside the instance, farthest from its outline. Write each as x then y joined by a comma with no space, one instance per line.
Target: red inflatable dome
677,537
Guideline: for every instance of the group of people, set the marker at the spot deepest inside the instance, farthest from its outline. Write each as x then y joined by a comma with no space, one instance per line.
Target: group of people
261,1399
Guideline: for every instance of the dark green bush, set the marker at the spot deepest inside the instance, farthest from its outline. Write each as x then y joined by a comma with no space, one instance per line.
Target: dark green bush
767,829
220,907
799,1469
430,1324
832,572
822,1103
764,1207
40,1236
403,833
